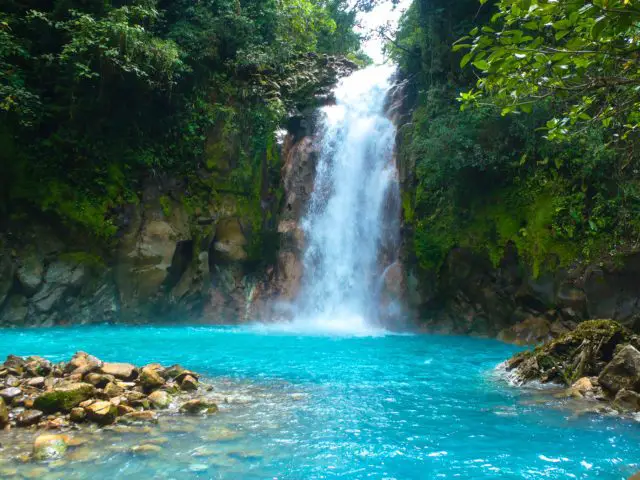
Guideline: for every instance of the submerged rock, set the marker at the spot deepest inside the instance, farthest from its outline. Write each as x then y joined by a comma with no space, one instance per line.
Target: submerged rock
199,405
146,449
49,447
137,417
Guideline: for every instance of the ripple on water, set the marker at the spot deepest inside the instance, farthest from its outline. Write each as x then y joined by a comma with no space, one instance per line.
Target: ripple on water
306,407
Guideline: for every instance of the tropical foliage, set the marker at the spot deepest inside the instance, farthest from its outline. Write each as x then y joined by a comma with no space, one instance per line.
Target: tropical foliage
98,97
542,154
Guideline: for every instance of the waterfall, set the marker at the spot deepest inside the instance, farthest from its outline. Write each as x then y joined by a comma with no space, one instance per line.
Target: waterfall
351,228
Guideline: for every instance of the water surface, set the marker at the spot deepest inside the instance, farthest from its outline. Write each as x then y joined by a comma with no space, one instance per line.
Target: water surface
314,407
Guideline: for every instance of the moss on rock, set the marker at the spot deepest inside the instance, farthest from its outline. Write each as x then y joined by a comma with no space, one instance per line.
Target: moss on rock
579,353
64,398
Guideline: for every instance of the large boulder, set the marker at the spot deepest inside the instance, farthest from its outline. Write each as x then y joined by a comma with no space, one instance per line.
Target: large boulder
623,372
582,352
64,397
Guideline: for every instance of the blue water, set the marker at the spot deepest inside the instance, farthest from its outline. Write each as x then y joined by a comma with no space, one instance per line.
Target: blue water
388,407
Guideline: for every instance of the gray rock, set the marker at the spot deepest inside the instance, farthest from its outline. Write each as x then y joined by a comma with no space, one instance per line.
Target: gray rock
15,311
623,372
30,273
47,298
65,273
60,278
8,394
29,417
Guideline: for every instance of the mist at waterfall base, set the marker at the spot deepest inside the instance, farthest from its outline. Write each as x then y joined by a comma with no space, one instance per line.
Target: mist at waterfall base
351,227
307,407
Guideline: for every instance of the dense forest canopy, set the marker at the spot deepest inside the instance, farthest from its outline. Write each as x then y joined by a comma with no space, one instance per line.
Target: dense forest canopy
543,153
95,97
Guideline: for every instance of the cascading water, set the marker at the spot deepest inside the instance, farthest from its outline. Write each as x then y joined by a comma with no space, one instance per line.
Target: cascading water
351,227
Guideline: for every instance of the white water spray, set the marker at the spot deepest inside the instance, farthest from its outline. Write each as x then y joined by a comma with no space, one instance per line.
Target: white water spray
351,228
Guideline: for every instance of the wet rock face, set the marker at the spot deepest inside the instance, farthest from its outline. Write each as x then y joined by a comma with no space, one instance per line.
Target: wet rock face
472,296
45,281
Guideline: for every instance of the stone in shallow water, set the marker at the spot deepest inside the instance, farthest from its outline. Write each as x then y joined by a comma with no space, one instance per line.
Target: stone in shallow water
198,467
221,434
38,472
77,415
134,418
29,417
102,412
189,384
159,399
150,378
146,449
49,447
199,405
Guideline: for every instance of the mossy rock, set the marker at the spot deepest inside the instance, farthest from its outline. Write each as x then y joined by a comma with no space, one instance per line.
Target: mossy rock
64,398
579,353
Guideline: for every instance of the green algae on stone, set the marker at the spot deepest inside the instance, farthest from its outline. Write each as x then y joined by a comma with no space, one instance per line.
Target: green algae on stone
64,398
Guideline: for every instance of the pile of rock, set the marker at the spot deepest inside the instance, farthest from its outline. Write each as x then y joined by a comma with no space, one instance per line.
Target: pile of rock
35,392
599,360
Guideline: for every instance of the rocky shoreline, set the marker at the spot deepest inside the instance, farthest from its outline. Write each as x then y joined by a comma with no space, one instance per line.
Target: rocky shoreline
56,399
598,361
